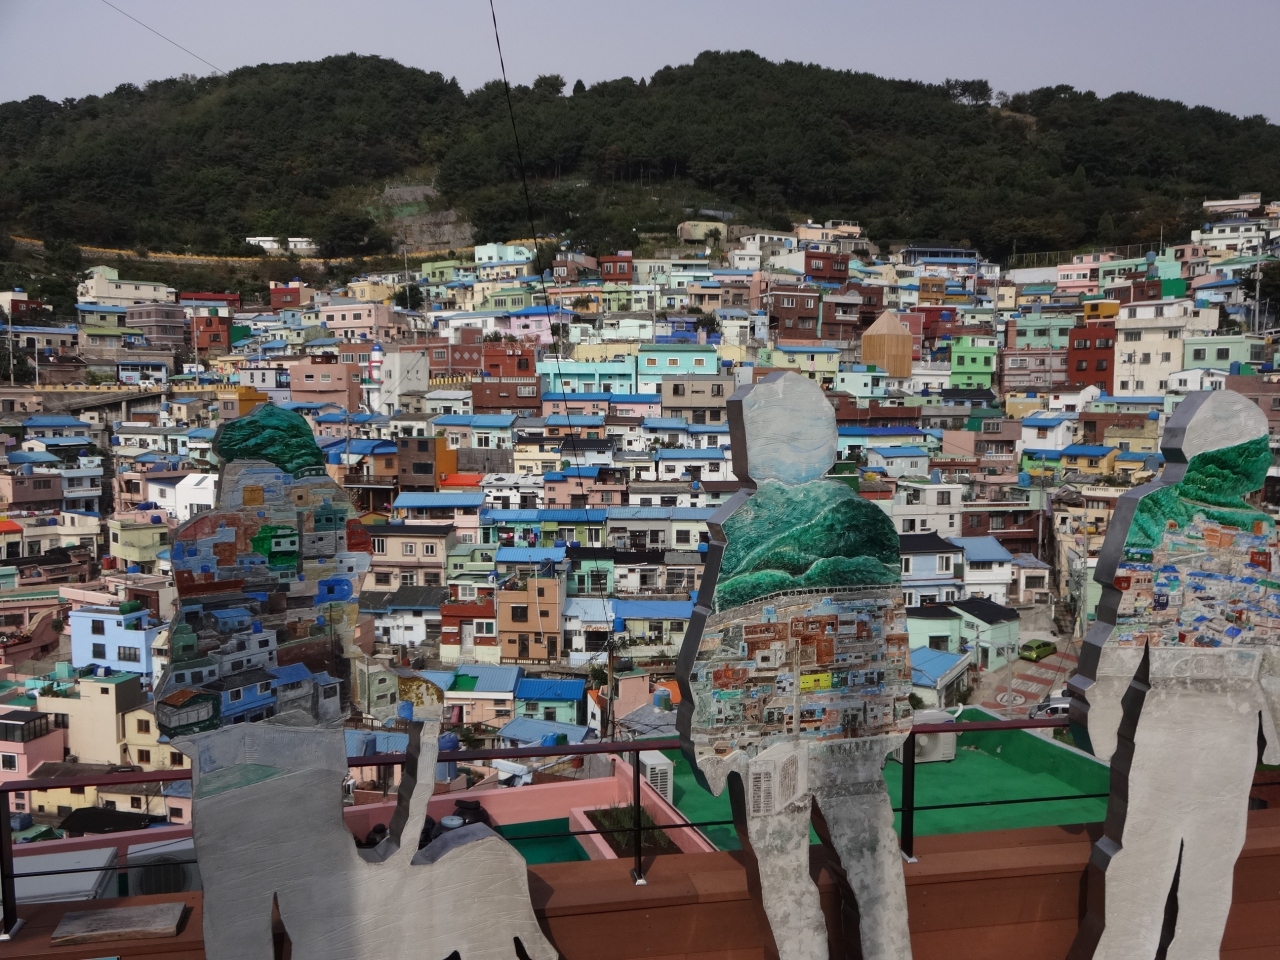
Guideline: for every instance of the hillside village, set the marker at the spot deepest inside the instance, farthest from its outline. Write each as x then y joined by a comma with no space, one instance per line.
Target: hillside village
534,458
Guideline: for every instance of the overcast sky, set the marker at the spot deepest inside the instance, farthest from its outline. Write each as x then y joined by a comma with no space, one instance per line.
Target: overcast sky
1164,48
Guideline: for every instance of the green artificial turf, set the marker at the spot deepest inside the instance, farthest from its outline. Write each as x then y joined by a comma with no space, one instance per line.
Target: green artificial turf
1002,765
559,849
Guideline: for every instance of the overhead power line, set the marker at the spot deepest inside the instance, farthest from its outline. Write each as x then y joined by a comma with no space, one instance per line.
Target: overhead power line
164,38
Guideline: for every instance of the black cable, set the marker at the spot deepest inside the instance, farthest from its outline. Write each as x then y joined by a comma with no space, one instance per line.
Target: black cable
163,37
528,205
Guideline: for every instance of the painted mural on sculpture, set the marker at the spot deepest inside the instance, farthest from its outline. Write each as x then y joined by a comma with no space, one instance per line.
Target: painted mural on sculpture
1179,679
267,582
797,671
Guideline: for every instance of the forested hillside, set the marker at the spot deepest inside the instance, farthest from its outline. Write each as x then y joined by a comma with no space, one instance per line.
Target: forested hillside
198,164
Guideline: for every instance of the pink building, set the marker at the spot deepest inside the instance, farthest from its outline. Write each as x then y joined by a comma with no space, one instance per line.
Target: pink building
28,739
579,488
364,321
1080,276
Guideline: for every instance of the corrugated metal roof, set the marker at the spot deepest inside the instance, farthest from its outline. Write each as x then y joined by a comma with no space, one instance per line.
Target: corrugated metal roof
929,666
438,500
575,420
512,516
491,679
890,453
653,609
664,423
441,678
529,731
589,610
983,549
710,453
529,554
535,688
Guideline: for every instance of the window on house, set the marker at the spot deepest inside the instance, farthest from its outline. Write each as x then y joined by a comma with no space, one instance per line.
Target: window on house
519,614
144,726
129,654
97,628
379,544
408,549
1132,336
144,756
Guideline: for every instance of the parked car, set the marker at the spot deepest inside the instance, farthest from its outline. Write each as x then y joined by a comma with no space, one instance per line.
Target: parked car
1051,707
1036,650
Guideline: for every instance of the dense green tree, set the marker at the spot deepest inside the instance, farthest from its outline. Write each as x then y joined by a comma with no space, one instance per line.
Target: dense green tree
409,297
299,149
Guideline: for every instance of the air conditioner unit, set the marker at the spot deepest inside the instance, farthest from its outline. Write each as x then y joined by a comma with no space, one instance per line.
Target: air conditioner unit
659,772
159,868
932,747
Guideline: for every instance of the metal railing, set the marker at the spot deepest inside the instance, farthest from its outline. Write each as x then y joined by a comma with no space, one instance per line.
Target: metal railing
907,809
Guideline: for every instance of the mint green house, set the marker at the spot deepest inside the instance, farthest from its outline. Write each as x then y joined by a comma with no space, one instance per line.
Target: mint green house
588,376
1036,329
658,360
973,362
1218,353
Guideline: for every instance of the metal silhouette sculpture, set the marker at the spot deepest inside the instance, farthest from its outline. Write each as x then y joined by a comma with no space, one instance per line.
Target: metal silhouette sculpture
1179,680
269,832
794,671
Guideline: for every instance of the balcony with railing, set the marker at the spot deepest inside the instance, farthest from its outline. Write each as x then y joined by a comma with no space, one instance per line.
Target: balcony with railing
996,841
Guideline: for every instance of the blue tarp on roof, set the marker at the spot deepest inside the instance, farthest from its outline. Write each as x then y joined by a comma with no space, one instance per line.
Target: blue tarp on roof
535,688
653,609
438,500
1128,456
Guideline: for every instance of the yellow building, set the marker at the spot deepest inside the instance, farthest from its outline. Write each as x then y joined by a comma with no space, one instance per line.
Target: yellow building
142,745
136,542
93,709
235,402
1093,459
370,291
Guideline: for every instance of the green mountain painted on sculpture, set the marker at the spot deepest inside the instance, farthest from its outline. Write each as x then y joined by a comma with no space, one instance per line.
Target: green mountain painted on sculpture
281,437
1214,486
818,534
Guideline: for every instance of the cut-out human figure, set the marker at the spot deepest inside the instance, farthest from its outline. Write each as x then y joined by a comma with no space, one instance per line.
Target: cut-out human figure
268,827
795,671
1178,681
266,579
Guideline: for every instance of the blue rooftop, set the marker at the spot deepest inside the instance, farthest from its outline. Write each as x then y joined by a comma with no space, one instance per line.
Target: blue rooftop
1086,450
535,688
491,679
438,500
890,453
708,453
575,420
982,550
530,731
529,555
930,666
653,609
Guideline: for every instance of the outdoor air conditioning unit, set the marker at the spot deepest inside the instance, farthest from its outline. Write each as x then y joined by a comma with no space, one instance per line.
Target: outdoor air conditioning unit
932,747
159,868
659,772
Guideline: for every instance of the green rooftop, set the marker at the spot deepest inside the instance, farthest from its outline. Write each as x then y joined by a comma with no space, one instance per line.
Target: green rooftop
463,683
531,841
997,765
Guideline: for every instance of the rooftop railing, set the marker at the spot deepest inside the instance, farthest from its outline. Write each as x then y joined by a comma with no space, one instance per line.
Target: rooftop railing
907,809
